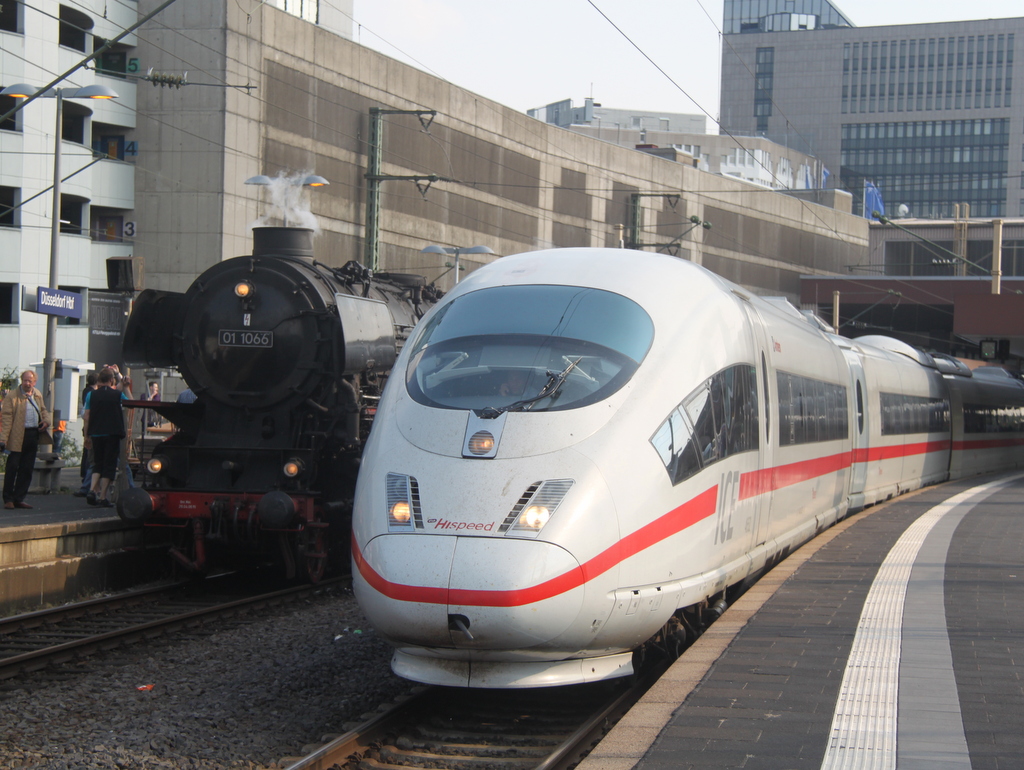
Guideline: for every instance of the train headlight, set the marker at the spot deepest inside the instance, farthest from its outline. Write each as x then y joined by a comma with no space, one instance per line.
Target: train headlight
535,517
535,507
400,512
155,465
293,468
481,443
403,503
243,289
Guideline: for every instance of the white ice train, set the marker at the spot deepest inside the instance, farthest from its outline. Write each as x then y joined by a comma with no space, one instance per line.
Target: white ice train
588,447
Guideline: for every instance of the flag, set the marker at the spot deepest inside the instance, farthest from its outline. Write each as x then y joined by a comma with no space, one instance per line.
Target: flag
824,177
807,178
872,200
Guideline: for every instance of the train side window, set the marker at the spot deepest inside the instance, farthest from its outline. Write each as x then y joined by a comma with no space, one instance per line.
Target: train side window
767,403
810,410
675,445
860,408
717,420
785,399
902,415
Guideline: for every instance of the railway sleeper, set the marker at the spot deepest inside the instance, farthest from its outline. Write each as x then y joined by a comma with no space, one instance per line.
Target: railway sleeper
467,749
389,756
436,735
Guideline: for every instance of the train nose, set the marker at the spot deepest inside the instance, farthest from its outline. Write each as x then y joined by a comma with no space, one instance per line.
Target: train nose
469,593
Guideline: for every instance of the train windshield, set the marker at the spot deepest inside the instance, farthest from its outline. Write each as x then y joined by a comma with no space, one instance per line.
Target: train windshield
500,348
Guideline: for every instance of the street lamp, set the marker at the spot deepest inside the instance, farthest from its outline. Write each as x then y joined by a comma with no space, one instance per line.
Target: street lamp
456,251
284,188
23,91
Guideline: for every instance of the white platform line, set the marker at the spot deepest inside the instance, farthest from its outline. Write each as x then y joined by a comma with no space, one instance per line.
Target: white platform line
864,725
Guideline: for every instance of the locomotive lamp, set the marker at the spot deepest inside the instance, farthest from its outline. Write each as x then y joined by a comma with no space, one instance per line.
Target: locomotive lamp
23,91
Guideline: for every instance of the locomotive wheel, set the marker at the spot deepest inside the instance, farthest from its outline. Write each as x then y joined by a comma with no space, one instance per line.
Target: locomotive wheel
313,550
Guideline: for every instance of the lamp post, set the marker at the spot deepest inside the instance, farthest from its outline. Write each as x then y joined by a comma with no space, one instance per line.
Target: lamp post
456,251
23,91
282,188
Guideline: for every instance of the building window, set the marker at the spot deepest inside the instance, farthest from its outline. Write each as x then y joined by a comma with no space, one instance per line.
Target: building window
8,103
8,201
930,165
72,128
764,76
309,10
74,28
9,16
71,212
8,303
113,62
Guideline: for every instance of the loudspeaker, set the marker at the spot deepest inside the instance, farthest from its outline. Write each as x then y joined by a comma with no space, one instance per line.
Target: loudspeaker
124,273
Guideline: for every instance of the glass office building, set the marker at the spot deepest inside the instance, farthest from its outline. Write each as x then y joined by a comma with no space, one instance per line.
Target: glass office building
780,16
931,114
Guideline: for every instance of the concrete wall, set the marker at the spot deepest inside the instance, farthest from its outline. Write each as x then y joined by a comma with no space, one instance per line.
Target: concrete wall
521,184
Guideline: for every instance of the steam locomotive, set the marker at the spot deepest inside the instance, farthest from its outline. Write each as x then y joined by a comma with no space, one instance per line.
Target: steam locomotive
287,358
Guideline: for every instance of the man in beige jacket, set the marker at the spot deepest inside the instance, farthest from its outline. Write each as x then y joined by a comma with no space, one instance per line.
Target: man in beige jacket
23,417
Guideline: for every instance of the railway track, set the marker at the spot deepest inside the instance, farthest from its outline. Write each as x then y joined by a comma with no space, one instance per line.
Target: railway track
34,640
458,729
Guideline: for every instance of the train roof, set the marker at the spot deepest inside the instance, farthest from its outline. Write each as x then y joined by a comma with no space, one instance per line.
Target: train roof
637,274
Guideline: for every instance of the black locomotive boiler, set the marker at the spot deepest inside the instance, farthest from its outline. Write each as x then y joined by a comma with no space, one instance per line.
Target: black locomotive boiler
287,359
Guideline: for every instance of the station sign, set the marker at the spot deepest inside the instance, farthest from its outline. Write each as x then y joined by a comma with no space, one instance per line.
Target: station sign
59,302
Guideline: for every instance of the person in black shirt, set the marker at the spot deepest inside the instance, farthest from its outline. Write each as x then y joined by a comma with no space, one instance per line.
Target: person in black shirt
104,429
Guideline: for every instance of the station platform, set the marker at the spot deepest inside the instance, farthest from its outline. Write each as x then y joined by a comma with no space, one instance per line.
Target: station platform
63,548
893,640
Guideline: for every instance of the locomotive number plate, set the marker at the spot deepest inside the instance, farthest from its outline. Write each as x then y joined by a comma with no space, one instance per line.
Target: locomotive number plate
244,338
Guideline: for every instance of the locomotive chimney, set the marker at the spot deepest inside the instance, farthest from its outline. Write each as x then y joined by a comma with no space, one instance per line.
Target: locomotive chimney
282,241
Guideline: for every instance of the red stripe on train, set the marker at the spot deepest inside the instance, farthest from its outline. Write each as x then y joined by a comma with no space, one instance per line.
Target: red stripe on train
759,482
686,515
673,522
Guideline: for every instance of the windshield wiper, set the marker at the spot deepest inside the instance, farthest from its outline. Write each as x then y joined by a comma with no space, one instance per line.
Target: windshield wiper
555,381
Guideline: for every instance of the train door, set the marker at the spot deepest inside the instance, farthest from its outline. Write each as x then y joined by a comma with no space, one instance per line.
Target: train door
858,430
761,486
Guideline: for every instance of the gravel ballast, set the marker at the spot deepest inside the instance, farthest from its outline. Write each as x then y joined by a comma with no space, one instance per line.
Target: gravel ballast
242,693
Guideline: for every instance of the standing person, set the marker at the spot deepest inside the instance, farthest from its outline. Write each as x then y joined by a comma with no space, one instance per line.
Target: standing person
104,429
22,416
91,383
152,418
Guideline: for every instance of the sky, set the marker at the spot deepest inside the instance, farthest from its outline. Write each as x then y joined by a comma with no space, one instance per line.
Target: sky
659,55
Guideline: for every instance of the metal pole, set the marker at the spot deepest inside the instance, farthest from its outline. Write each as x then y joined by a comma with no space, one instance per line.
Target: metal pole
997,255
371,253
456,264
49,357
835,312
